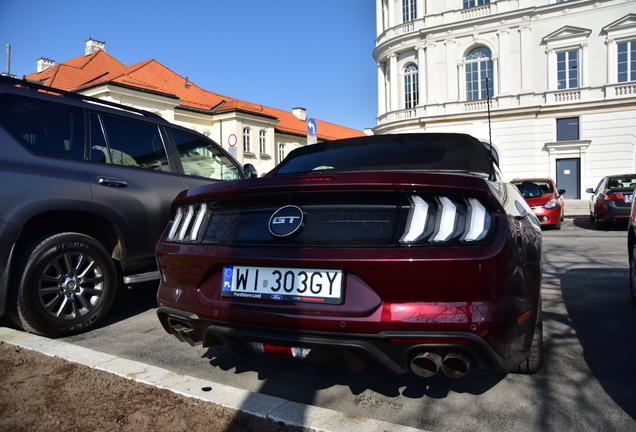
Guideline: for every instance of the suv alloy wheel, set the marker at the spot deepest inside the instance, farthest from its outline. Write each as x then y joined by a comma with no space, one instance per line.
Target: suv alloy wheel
65,282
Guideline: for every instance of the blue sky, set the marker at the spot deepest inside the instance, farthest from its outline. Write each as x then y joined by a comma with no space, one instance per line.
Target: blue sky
280,53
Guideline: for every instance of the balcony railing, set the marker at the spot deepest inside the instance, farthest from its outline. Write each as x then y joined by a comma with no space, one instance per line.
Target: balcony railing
476,12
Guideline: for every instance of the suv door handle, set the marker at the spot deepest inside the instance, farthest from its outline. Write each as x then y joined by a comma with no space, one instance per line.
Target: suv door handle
108,181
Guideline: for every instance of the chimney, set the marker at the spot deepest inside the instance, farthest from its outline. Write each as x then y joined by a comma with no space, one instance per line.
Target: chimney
44,64
301,113
92,46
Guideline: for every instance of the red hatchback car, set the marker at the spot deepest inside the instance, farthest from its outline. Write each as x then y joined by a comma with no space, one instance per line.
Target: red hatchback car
405,249
546,202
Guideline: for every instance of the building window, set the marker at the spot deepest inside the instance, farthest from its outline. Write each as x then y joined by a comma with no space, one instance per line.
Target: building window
262,143
409,10
281,152
568,69
472,3
411,86
627,61
479,83
568,129
247,145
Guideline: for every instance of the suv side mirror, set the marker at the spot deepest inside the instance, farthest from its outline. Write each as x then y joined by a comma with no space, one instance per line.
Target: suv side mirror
250,171
589,190
562,191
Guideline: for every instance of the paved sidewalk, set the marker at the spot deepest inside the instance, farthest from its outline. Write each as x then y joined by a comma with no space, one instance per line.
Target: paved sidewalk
277,409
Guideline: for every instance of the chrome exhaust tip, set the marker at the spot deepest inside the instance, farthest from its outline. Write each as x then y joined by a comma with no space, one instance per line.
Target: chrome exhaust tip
456,364
426,364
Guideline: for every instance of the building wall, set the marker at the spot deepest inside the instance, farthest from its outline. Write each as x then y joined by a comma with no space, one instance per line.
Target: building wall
524,37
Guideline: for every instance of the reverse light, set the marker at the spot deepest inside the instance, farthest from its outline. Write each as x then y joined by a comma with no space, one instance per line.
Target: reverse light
280,350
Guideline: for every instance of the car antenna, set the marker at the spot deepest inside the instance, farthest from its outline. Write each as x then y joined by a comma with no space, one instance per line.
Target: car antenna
492,159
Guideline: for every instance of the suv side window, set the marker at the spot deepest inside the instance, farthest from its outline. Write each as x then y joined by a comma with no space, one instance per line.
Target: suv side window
44,127
201,159
127,143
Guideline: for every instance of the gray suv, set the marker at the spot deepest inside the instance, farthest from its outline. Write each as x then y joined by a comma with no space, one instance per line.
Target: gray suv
86,187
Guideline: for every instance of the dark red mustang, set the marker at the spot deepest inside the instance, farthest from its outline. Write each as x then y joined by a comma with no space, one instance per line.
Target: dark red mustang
405,249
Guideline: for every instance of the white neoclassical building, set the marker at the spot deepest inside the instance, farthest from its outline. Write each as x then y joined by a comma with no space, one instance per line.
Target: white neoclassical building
560,76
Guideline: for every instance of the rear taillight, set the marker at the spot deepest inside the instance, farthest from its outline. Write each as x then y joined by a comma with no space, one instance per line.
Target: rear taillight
443,219
615,196
187,223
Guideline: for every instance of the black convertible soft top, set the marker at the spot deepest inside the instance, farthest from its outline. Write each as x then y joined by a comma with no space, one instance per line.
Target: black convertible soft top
398,152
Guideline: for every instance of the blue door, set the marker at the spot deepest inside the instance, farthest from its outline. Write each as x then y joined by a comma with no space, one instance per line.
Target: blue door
568,177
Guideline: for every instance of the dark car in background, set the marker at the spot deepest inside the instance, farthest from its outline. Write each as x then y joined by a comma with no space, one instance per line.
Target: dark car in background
86,187
611,201
631,252
547,202
407,249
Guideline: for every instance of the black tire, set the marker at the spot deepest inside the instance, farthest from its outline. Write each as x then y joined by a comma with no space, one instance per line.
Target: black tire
632,275
63,284
534,362
599,225
557,226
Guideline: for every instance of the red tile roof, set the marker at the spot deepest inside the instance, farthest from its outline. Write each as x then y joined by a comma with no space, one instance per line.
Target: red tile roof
100,68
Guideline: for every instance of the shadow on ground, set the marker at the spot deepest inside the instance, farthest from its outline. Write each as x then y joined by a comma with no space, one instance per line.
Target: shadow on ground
277,374
602,314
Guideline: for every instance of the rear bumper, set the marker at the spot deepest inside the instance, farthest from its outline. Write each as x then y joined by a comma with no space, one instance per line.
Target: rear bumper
392,349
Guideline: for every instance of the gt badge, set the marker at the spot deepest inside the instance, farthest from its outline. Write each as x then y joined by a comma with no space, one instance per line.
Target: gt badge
286,221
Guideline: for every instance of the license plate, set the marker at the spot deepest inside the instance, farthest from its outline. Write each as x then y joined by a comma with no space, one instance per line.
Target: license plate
628,198
283,284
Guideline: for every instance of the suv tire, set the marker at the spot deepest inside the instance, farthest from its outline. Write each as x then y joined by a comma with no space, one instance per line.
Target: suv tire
64,284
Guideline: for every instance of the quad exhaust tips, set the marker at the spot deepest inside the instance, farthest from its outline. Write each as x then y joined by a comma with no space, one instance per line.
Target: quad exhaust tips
456,364
427,364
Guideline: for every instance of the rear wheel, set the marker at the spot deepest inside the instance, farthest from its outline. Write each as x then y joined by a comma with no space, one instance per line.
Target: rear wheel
598,224
534,362
64,284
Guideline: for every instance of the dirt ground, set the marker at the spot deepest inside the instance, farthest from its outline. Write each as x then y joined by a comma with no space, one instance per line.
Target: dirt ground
42,393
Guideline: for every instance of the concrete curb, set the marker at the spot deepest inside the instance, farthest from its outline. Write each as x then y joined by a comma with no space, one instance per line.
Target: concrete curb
277,409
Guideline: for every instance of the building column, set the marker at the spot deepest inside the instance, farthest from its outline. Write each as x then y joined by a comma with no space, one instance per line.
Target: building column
381,89
612,66
421,74
496,88
526,67
393,84
379,17
583,65
504,64
461,74
552,69
451,71
431,76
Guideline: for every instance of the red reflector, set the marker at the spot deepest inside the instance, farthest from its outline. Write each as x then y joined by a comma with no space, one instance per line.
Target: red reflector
277,350
428,341
614,196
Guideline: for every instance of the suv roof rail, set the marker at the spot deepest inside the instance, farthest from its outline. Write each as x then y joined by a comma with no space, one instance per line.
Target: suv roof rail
73,95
